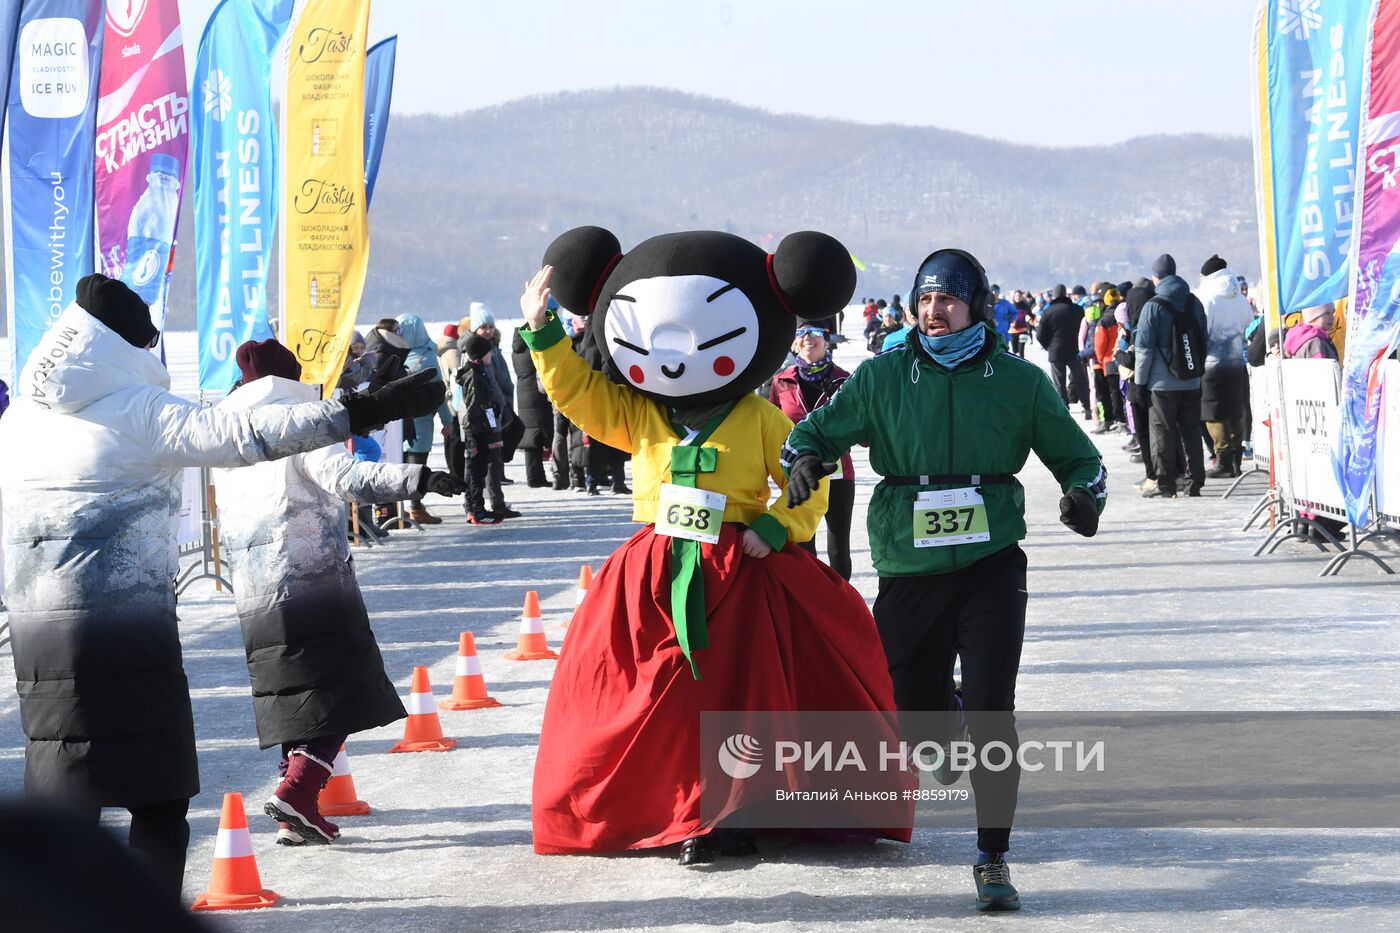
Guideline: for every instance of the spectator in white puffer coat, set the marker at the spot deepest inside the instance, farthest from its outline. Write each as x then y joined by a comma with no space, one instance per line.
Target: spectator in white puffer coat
91,559
313,662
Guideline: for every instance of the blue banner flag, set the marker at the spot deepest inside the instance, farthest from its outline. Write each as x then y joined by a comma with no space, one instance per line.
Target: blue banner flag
1312,79
379,88
48,164
233,168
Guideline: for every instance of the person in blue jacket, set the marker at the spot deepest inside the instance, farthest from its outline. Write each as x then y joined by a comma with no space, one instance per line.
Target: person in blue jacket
422,355
1003,314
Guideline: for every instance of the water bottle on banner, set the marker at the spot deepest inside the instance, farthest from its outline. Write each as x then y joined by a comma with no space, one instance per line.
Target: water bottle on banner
149,231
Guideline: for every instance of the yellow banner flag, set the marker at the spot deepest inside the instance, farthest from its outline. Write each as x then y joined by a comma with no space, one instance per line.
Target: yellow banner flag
324,226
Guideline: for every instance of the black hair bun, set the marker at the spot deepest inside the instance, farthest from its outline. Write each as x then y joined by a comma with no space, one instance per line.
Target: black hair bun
814,274
582,258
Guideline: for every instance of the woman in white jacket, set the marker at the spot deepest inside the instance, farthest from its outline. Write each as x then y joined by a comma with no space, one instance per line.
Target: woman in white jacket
91,559
1224,385
316,671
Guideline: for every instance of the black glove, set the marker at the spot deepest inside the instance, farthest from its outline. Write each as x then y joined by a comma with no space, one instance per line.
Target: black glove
410,397
803,478
1077,511
444,484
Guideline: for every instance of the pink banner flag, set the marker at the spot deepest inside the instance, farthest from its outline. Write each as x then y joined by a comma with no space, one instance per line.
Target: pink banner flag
142,145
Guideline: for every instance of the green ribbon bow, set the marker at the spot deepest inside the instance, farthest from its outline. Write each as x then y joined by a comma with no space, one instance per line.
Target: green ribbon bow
688,461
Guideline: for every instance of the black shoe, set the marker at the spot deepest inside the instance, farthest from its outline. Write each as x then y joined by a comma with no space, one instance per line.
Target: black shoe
593,491
736,843
1223,471
620,489
499,514
561,484
507,481
994,888
1195,491
697,851
541,484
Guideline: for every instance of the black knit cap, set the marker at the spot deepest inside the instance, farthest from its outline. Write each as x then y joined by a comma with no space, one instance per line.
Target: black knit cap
1163,266
118,307
1212,265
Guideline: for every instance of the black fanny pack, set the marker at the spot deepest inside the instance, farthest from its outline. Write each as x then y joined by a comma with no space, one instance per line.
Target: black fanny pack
967,479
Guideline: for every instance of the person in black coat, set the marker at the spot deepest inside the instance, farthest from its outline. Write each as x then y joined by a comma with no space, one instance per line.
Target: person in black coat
533,409
1139,398
603,464
1058,333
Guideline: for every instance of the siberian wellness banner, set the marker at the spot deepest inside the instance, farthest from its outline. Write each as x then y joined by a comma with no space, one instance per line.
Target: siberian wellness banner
1373,323
233,170
47,165
325,235
143,126
1309,59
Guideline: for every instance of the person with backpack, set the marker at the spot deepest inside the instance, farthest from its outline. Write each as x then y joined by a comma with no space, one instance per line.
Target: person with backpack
481,403
1170,352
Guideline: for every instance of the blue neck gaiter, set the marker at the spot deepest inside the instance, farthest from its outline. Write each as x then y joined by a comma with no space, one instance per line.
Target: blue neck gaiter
952,350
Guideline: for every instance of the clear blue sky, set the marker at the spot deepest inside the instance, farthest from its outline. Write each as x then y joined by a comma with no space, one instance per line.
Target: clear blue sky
1055,72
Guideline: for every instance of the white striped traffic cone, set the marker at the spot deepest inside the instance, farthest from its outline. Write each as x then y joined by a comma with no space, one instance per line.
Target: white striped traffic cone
531,645
423,730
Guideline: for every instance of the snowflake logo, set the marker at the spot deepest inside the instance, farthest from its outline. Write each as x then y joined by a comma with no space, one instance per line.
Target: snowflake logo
1300,18
218,97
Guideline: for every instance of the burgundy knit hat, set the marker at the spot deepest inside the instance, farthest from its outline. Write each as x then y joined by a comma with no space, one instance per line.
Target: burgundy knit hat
266,358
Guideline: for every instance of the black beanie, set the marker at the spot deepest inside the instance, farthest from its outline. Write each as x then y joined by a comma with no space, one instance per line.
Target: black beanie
476,347
1059,292
120,308
1163,266
1212,265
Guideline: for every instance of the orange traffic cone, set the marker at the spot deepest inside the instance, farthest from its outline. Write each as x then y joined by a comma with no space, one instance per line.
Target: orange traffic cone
423,731
585,580
531,645
338,797
233,881
468,687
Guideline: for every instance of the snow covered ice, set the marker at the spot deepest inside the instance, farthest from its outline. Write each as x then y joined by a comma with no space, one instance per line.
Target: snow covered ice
1164,610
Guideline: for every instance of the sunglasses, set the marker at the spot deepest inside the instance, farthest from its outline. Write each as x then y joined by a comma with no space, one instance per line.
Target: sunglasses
810,332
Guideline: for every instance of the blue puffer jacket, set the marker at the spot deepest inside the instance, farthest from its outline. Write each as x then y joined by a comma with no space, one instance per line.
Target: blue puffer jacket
1153,339
422,354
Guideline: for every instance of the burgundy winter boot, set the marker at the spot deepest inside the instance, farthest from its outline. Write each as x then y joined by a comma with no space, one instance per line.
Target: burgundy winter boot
294,800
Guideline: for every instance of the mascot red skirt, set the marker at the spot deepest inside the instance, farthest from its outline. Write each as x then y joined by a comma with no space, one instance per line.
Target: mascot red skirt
711,606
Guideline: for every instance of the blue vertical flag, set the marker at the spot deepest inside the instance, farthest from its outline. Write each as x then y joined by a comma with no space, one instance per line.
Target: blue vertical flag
9,28
379,88
1311,97
233,167
48,165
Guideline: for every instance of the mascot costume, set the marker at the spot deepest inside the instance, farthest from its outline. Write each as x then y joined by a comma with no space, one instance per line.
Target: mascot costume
711,606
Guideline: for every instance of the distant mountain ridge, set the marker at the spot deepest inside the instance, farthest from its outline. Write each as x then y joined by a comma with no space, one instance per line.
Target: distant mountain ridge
466,204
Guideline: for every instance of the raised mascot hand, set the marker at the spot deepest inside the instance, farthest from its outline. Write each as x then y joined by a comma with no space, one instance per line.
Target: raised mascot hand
534,302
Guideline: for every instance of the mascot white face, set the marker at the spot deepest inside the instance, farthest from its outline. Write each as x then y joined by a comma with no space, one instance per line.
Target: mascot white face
660,344
699,318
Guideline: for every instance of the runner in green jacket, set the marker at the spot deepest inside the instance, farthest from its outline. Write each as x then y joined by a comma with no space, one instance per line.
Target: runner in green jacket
950,418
